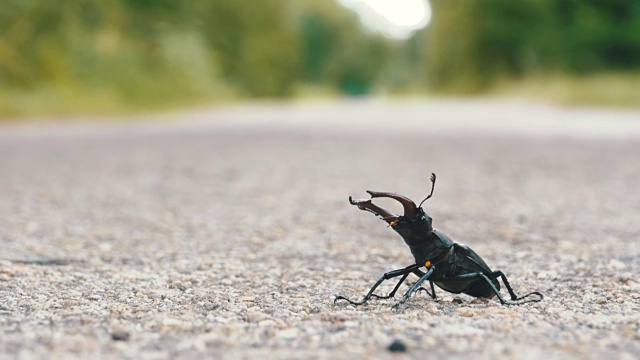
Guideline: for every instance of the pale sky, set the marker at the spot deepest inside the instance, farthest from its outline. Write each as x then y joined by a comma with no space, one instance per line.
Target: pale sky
396,18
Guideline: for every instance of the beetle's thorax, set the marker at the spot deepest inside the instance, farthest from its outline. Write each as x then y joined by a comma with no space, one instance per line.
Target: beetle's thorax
416,230
425,242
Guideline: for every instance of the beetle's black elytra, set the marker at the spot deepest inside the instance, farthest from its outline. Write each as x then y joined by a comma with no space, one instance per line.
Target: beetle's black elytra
451,266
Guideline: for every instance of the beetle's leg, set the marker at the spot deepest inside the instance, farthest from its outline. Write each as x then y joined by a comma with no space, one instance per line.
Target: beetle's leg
433,290
393,292
418,274
515,297
391,274
477,276
414,287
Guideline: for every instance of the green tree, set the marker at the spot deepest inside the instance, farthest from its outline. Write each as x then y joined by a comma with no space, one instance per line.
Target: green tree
472,43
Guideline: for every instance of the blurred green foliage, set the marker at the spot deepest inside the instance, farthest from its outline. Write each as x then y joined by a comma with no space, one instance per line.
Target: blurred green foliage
337,52
105,56
475,43
91,55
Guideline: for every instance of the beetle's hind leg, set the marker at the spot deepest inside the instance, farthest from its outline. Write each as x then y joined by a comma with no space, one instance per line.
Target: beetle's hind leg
391,274
478,276
513,295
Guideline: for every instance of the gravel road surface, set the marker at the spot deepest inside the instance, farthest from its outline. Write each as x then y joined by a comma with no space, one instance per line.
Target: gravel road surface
227,233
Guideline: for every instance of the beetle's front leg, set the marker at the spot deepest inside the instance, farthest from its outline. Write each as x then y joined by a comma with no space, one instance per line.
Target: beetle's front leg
391,274
393,292
413,288
433,290
419,274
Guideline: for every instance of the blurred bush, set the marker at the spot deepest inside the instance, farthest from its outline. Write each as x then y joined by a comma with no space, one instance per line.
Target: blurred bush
106,56
475,43
61,56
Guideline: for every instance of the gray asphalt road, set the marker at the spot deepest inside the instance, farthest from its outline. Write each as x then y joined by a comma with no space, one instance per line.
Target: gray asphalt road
228,232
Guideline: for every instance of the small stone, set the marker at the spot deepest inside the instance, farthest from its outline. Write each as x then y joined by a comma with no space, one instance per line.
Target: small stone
397,346
616,264
600,300
554,310
418,325
566,314
547,275
465,313
288,333
221,320
255,317
478,301
170,322
210,306
94,297
266,323
431,308
74,294
120,336
625,277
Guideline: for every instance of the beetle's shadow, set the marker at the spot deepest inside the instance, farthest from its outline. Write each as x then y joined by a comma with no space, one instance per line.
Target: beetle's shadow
446,305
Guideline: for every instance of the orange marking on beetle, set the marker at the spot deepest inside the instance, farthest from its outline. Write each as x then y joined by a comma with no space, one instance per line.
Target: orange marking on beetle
427,264
393,223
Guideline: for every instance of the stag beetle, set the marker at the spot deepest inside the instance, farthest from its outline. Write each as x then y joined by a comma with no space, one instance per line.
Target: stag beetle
452,266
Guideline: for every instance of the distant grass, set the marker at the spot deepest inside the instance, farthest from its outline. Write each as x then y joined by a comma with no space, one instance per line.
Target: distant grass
607,89
57,102
72,102
180,73
48,102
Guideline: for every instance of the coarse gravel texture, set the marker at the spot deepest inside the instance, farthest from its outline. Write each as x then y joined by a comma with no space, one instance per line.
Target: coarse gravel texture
230,242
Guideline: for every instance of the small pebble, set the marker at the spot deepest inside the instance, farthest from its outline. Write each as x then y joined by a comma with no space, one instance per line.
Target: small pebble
397,346
615,264
288,333
120,336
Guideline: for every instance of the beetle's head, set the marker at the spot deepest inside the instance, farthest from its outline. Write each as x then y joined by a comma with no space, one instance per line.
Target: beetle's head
412,225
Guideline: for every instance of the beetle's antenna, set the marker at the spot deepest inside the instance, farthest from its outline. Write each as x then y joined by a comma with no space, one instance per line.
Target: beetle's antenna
433,185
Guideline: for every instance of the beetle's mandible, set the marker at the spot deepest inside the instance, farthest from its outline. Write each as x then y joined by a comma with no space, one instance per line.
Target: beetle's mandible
451,266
